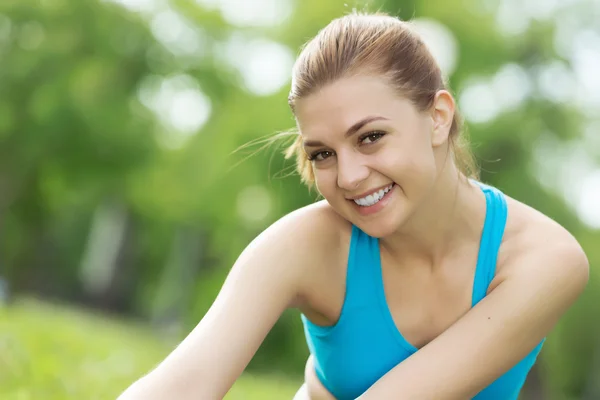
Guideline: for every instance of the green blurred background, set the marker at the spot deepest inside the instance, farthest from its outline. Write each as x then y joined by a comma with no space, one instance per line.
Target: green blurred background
123,204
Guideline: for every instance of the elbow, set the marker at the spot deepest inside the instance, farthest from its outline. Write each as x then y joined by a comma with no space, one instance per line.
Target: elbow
574,272
580,269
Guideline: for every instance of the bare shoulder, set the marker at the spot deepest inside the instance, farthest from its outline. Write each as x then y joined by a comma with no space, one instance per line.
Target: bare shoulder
312,230
306,240
534,243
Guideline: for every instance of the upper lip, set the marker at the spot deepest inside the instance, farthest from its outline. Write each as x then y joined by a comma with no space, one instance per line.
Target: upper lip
365,194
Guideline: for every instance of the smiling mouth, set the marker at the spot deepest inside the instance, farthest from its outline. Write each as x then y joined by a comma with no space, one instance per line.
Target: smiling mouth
373,198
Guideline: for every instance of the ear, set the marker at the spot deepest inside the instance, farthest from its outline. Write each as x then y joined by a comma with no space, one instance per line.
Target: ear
442,114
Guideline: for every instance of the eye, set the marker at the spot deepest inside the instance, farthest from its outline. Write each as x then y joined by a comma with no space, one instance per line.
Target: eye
320,155
371,137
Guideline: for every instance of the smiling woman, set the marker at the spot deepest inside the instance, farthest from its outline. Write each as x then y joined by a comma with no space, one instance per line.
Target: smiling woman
414,280
382,46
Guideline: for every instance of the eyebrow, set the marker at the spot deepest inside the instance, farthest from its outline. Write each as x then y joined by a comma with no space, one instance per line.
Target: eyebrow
351,131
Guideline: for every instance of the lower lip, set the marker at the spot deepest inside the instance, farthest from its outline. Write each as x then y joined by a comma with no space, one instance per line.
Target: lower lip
377,206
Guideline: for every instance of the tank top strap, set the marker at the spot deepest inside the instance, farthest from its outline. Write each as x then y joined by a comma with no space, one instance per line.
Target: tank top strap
361,288
491,238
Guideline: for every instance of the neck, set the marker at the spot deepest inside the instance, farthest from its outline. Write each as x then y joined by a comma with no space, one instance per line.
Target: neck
452,214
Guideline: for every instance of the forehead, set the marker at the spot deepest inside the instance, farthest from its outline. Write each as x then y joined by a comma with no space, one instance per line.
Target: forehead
341,103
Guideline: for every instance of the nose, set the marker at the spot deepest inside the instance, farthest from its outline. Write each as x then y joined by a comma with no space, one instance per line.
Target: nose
351,172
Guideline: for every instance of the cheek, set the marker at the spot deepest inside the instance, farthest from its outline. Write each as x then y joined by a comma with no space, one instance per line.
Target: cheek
325,182
407,162
414,170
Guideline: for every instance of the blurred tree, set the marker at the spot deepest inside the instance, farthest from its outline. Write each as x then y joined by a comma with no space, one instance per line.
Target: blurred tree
71,132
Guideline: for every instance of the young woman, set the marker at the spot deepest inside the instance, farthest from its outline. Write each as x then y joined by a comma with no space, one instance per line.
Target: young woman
414,280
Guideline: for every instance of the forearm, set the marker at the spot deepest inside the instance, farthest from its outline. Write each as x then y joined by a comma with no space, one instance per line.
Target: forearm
135,391
401,384
151,388
139,389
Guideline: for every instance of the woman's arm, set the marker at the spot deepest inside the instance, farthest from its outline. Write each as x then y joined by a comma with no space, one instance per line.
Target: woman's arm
265,280
537,288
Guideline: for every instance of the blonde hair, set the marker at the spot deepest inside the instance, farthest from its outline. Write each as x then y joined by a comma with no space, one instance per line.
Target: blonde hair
374,44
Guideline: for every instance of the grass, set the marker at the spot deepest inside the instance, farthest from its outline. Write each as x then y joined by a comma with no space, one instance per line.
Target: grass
54,352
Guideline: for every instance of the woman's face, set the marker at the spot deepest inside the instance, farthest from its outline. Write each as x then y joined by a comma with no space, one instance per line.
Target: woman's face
375,156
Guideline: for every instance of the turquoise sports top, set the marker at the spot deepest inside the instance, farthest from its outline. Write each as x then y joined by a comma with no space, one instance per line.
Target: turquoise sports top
365,343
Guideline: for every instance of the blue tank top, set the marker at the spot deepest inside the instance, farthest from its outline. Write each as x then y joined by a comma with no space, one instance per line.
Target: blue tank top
365,343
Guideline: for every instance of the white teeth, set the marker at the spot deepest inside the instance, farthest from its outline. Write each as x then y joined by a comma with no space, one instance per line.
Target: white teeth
373,198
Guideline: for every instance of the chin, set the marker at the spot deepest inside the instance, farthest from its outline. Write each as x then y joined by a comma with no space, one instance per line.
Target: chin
379,228
388,222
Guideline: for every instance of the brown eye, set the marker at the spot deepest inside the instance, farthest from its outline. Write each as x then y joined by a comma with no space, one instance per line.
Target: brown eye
371,137
320,155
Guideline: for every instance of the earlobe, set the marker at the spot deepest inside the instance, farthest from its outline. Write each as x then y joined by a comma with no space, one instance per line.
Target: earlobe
443,115
440,135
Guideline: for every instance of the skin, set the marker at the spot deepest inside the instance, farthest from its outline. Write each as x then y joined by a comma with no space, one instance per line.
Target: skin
429,233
